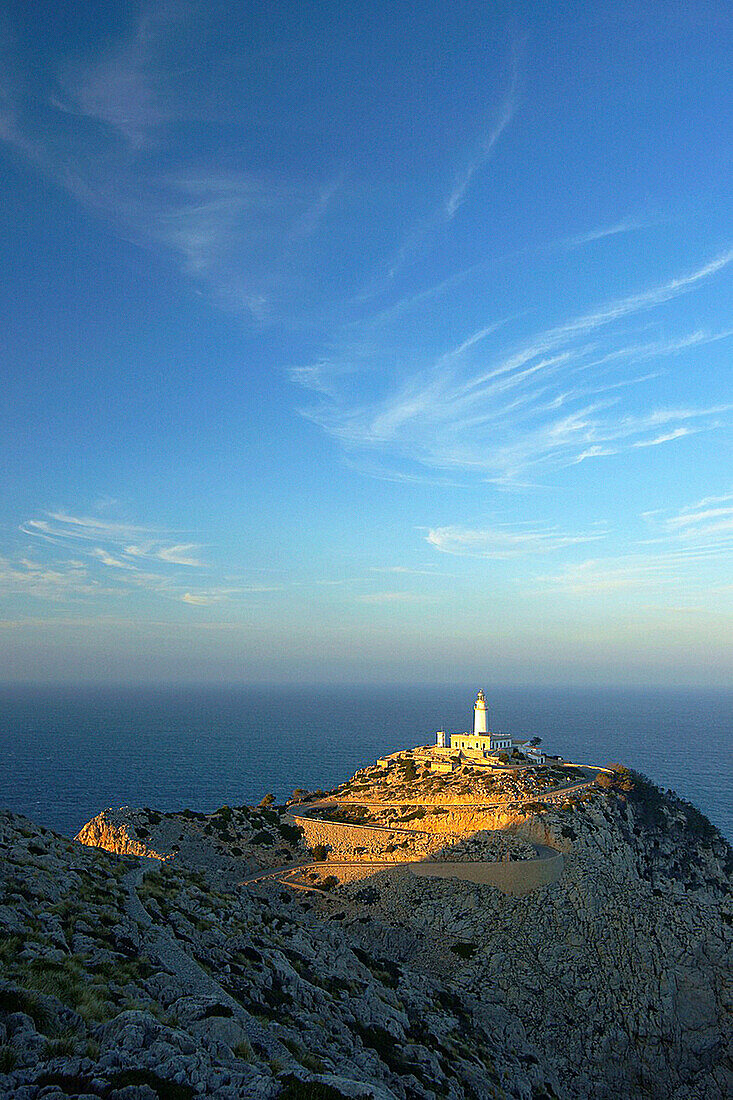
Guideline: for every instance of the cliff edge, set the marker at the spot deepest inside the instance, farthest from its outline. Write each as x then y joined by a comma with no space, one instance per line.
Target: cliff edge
228,964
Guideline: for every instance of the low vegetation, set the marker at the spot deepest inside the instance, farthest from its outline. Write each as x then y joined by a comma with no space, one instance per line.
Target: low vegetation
408,778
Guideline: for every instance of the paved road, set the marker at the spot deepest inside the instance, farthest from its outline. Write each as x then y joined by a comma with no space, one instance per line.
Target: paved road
322,864
269,872
543,852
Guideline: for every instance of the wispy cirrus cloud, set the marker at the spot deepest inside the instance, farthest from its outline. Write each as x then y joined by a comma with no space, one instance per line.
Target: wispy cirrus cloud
114,561
119,129
183,553
124,90
510,415
709,520
503,542
625,225
394,597
310,220
483,153
407,571
692,551
62,527
206,597
107,129
683,569
109,559
65,581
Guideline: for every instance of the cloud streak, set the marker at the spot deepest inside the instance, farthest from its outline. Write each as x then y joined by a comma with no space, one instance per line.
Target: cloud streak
108,131
464,178
692,552
626,225
511,416
710,520
61,582
61,527
111,566
683,569
502,543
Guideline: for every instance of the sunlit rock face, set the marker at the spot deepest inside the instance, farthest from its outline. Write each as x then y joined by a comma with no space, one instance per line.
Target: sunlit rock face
124,977
123,831
620,971
233,840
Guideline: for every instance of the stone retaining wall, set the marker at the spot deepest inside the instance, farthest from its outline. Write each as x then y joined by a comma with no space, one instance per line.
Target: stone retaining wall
363,842
465,820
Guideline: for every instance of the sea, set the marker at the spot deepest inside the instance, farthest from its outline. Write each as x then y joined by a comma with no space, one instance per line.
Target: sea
67,753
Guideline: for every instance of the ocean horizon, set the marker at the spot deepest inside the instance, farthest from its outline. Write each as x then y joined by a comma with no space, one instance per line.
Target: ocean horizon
69,751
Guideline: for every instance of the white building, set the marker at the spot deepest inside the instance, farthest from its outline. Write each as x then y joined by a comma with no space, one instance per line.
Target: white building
482,740
480,715
534,753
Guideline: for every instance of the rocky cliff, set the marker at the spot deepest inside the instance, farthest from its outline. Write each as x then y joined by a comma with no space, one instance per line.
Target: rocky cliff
619,972
130,979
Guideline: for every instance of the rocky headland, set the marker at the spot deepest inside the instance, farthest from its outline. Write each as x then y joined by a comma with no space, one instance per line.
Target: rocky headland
236,954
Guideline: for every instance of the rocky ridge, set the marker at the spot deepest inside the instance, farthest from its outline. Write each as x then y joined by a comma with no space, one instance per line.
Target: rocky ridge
128,978
234,840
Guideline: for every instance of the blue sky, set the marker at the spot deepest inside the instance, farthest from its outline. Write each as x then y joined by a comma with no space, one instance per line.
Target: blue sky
367,342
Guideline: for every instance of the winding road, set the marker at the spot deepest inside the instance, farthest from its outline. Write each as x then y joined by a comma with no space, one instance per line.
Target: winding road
543,852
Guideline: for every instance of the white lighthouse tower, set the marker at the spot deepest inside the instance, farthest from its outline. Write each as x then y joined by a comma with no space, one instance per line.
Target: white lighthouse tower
480,714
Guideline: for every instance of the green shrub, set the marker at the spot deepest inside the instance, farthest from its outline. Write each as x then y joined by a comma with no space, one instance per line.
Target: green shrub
10,948
623,777
18,1000
312,1062
62,1045
464,950
290,833
165,1090
263,837
243,1051
70,984
8,1058
386,1046
295,1089
218,1010
319,852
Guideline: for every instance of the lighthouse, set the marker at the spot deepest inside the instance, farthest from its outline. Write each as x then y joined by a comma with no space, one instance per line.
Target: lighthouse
480,714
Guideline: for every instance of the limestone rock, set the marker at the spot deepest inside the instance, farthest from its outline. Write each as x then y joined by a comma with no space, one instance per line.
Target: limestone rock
131,980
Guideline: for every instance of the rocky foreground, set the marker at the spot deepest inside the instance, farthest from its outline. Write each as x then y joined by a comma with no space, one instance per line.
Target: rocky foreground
126,977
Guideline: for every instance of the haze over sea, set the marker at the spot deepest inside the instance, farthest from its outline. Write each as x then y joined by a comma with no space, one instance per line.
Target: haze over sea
68,753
